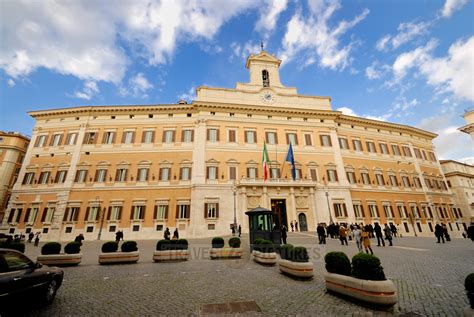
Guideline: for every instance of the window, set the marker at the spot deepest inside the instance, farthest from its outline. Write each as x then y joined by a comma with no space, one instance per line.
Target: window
371,147
138,212
71,139
274,173
31,213
168,136
432,156
115,213
142,175
351,177
183,211
212,172
406,151
402,211
325,140
395,150
428,183
291,138
185,173
128,137
343,144
340,210
380,180
415,211
365,178
48,213
417,153
15,261
211,210
161,212
187,136
56,140
109,137
213,135
332,175
232,172
90,137
148,137
44,177
92,214
357,145
60,177
387,209
374,211
164,174
231,136
393,180
313,173
307,139
121,175
424,155
41,140
406,181
250,137
417,182
100,175
80,176
383,148
252,172
359,211
71,214
271,137
265,78
28,178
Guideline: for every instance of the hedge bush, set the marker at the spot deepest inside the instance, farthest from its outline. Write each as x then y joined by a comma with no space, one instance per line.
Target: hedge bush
367,267
129,246
300,254
109,247
166,245
73,247
234,242
51,248
338,263
217,242
469,285
181,244
266,246
19,246
286,251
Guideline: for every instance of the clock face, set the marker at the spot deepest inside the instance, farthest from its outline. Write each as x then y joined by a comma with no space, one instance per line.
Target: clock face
268,96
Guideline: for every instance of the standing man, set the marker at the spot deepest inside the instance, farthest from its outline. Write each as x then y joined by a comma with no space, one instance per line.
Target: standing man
343,234
283,233
378,234
439,232
394,229
37,238
356,233
321,234
240,230
296,226
292,226
388,234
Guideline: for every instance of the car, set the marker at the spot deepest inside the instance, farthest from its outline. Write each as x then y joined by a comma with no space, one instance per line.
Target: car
23,279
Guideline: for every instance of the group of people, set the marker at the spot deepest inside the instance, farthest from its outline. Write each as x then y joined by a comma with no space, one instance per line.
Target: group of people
35,236
167,234
119,236
441,232
239,230
294,226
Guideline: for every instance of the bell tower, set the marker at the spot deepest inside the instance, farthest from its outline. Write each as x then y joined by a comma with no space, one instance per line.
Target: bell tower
264,70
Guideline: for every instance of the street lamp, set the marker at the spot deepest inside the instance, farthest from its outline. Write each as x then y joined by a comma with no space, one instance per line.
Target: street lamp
101,214
329,208
234,191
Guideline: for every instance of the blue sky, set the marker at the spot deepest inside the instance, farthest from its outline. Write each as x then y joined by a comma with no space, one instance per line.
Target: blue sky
404,61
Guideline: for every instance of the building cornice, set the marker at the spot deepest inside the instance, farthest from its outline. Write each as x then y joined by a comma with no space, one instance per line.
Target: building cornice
455,162
15,135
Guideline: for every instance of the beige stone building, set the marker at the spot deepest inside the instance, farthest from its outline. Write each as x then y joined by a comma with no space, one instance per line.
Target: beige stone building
469,127
460,179
13,147
194,166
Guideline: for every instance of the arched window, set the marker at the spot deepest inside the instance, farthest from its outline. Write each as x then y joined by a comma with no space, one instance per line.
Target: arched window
265,78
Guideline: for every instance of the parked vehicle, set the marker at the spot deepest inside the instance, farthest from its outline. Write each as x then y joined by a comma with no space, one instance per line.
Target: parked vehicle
22,279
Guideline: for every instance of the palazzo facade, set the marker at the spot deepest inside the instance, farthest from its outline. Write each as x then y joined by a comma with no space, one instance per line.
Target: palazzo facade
196,166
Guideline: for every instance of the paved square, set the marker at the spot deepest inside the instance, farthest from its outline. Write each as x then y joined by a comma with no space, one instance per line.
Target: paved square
429,278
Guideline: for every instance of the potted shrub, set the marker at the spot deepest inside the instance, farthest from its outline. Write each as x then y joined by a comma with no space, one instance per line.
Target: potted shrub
264,252
218,251
469,286
171,250
365,280
51,254
129,253
18,246
295,262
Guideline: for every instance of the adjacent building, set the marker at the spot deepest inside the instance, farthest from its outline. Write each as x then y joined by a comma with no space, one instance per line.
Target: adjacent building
469,127
198,167
13,147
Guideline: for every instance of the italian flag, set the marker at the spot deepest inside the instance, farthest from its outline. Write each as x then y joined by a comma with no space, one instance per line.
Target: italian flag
265,162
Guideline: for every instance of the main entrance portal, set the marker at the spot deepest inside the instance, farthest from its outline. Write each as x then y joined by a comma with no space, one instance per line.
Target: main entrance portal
279,210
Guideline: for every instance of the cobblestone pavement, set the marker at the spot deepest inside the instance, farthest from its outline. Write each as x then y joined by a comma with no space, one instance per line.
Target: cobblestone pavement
429,278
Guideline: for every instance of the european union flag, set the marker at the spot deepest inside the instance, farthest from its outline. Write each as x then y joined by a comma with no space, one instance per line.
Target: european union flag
290,158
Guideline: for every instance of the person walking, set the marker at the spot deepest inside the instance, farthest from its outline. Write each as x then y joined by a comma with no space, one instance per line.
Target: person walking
284,230
31,235
356,233
175,234
388,234
79,238
394,230
292,226
167,234
445,232
343,234
321,234
378,234
439,233
37,238
366,241
240,231
296,226
117,236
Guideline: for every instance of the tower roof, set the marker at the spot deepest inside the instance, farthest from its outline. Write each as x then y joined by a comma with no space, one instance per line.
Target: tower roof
263,56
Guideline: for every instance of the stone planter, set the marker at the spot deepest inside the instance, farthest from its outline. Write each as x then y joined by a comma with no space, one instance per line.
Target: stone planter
297,269
171,255
226,253
119,257
62,259
374,292
269,258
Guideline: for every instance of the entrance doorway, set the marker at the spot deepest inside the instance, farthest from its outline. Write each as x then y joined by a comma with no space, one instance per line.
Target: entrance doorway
279,210
303,222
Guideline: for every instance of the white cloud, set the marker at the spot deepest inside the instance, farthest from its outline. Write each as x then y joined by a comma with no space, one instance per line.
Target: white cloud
139,85
269,14
244,50
314,36
11,82
88,91
350,112
406,32
452,5
188,96
376,70
452,73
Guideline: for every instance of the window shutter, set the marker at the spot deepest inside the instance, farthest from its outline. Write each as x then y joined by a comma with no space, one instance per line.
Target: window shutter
377,211
188,211
120,213
109,212
27,215
56,177
205,210
217,173
208,134
131,212
87,214
76,178
116,175
177,211
362,210
163,138
146,174
308,139
143,136
207,172
321,140
266,137
125,177
335,174
296,139
66,214
245,136
248,172
287,138
10,216
313,174
142,215
182,135
173,135
96,176
166,211
37,140
76,215
152,137
345,209
123,136
232,172
181,173
97,215
334,206
217,210
43,216
155,212
217,135
133,137
192,135
256,173
159,173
